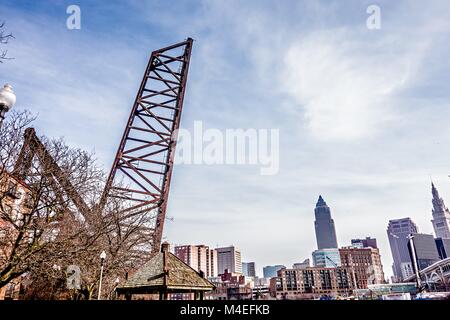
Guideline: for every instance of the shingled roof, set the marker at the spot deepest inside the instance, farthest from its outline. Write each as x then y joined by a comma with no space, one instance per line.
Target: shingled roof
165,272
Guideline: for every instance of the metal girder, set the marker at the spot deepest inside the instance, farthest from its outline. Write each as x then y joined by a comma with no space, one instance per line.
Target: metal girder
57,179
142,169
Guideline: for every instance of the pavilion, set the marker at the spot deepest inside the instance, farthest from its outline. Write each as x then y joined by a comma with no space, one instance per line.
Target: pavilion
165,274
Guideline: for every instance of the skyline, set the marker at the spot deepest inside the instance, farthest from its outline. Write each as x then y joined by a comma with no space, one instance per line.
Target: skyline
361,113
260,268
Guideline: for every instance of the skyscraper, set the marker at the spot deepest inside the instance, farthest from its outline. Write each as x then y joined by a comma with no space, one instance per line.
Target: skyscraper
325,230
441,215
398,231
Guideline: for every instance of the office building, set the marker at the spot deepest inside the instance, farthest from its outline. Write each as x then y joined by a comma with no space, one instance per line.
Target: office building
326,258
271,271
425,249
398,231
324,225
441,215
364,264
229,258
248,269
302,265
368,242
443,247
199,258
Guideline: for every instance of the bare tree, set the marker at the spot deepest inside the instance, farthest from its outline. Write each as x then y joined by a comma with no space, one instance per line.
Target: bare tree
49,219
4,39
33,211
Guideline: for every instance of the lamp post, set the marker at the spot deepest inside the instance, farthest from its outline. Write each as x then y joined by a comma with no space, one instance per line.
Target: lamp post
7,101
115,287
415,265
102,260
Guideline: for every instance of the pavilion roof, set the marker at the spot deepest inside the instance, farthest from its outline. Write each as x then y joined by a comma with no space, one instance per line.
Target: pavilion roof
166,272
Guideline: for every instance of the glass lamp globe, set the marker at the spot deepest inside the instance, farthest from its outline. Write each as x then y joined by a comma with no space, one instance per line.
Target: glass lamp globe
7,97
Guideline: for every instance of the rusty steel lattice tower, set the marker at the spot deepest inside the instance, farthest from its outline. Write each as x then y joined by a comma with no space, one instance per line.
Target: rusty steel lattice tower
142,169
143,165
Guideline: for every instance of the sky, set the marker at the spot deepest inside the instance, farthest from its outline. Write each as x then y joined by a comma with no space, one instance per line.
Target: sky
362,114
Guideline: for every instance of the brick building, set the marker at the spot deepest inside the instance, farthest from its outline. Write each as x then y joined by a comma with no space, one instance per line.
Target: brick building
15,203
364,264
312,282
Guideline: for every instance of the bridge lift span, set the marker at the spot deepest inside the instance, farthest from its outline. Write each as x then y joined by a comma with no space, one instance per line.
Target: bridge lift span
142,169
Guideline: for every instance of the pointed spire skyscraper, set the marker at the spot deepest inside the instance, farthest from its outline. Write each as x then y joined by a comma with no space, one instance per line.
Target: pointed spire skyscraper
325,230
441,215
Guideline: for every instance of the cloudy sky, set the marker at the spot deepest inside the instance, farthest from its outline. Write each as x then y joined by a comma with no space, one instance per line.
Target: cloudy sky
363,114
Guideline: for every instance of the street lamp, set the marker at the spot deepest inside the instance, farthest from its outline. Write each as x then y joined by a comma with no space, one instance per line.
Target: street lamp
7,101
415,264
115,287
102,260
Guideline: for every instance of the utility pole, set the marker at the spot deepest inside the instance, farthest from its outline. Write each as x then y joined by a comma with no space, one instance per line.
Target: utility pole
102,260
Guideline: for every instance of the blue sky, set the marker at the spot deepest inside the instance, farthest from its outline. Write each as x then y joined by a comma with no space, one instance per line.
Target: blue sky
363,114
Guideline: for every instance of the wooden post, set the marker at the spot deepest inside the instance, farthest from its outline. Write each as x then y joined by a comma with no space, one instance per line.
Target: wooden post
163,295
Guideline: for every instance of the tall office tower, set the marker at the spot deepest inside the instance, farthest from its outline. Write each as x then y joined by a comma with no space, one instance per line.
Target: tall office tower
426,250
364,265
368,242
398,231
441,215
199,258
229,258
325,230
248,269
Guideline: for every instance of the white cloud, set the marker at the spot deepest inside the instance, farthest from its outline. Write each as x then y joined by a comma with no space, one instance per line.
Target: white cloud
347,84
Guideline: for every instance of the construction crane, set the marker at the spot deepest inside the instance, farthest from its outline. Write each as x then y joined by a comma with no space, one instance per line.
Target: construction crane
142,169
